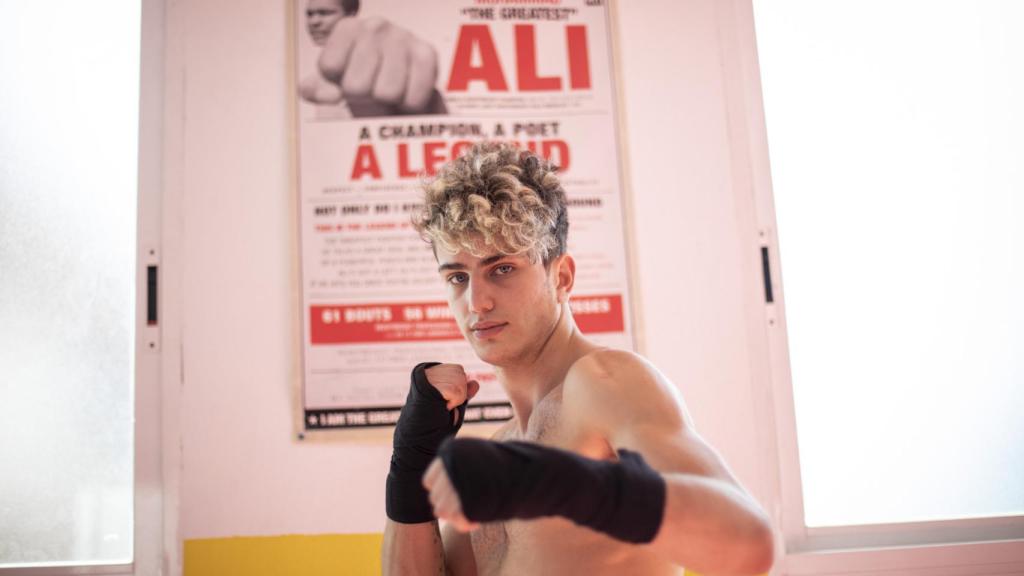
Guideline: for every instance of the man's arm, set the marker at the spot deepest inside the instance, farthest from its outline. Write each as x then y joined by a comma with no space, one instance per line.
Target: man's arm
710,523
420,549
414,549
433,411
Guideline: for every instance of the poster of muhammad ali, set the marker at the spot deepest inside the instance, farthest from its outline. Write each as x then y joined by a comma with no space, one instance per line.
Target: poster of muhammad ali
387,91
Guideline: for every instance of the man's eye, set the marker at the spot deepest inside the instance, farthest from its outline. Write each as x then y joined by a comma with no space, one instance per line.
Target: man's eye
456,278
504,269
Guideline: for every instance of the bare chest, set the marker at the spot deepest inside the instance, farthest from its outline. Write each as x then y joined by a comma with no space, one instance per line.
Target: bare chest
551,545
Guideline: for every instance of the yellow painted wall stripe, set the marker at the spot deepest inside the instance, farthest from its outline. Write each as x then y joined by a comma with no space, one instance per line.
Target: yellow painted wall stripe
308,555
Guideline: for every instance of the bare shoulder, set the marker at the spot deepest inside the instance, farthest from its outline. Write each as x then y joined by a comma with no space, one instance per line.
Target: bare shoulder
623,398
619,376
621,387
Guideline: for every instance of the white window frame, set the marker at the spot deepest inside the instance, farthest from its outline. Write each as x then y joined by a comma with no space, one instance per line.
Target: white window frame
149,504
989,546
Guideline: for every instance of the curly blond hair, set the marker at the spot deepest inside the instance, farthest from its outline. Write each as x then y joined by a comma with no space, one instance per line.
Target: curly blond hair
507,197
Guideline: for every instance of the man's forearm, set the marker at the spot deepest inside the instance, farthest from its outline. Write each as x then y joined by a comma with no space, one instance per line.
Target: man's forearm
713,527
412,540
412,549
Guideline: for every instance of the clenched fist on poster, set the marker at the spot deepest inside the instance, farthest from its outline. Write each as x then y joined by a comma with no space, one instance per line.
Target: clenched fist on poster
376,67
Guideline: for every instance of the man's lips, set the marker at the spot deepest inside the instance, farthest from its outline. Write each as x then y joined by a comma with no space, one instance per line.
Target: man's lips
487,329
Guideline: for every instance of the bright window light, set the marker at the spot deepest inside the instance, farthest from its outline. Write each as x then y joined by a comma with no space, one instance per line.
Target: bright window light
68,194
896,139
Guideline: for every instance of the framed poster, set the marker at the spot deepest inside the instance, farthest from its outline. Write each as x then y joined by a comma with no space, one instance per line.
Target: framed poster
388,91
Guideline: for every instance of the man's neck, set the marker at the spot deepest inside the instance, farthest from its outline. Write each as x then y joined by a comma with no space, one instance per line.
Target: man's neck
527,383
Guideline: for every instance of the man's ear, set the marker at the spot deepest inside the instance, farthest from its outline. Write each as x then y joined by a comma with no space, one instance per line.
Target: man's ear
565,275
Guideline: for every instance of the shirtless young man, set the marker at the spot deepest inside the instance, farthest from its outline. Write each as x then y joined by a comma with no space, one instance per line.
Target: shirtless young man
600,470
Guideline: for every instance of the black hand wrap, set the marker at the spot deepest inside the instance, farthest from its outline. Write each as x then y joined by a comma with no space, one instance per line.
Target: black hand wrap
423,425
504,480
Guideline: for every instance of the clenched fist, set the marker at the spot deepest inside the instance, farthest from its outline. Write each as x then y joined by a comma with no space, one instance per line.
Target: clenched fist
378,68
444,498
432,412
453,384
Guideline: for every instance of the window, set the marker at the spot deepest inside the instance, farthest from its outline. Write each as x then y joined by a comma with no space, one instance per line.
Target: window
69,230
893,131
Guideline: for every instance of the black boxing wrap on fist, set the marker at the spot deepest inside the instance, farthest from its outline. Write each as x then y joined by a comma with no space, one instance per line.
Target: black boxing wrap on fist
423,425
505,480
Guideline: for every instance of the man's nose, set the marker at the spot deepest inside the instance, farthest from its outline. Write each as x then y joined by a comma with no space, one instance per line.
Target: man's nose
480,298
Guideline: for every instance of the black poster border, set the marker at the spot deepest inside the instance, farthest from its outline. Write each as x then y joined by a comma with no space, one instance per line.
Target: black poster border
386,416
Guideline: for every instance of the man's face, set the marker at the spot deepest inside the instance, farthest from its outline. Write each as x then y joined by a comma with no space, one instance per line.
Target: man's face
505,306
321,16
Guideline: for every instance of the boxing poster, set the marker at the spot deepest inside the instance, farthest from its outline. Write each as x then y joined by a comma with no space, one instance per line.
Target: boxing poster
389,90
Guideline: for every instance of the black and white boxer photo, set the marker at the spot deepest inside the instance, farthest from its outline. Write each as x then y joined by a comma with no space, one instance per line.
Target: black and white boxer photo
374,66
600,470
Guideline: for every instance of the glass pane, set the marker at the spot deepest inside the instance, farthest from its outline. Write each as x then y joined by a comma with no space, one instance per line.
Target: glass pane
894,131
68,140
